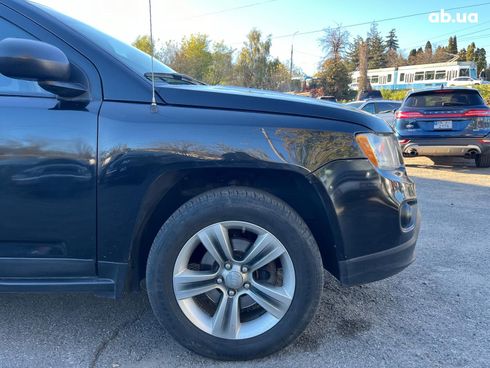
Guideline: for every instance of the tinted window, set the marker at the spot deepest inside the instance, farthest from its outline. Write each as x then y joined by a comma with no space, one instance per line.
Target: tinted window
443,98
386,106
402,77
429,75
441,74
419,76
369,108
9,86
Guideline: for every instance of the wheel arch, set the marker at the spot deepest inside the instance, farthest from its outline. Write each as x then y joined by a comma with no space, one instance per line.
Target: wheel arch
172,189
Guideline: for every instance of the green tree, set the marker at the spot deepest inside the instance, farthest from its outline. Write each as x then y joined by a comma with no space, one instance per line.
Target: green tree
194,58
143,43
392,40
462,54
279,76
412,57
481,60
353,52
428,48
470,52
452,45
221,68
376,48
167,54
334,78
334,75
252,67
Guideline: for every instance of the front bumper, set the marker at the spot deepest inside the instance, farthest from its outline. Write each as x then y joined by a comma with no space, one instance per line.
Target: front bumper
380,265
448,147
377,240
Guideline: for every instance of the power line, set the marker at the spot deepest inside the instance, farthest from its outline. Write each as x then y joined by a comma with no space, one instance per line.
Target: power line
228,10
442,36
382,20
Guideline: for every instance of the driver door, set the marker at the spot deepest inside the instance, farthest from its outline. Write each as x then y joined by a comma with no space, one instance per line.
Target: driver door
47,171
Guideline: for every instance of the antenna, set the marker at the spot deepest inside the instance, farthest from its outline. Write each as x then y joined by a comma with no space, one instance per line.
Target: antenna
154,106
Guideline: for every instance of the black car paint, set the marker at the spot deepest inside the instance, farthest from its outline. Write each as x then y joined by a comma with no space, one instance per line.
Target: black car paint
87,231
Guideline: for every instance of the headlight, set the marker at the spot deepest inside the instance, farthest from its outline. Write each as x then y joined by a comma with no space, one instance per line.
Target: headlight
382,150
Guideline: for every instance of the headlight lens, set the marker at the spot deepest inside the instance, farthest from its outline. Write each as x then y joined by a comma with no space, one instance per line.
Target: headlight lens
382,150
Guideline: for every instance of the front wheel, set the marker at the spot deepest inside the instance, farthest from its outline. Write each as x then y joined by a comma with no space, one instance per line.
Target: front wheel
235,273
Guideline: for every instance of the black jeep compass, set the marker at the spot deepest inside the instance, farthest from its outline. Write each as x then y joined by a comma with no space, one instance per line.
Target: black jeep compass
227,204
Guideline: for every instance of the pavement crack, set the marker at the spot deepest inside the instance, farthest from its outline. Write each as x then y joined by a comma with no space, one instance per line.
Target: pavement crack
113,336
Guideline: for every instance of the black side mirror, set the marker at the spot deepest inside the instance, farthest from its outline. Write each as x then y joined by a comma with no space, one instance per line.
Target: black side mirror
33,60
41,62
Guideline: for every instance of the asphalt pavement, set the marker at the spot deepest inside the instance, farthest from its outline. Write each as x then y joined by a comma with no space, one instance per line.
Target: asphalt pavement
434,314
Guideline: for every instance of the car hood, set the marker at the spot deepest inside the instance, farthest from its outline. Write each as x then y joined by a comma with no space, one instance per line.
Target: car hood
245,99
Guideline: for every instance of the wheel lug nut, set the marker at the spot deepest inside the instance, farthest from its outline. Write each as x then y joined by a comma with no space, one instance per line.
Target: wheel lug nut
231,292
228,266
244,269
219,280
246,285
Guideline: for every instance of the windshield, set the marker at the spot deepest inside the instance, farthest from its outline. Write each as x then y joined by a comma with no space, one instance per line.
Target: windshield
445,97
135,59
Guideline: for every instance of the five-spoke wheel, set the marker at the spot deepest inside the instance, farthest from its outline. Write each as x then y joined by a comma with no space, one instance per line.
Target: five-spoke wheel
234,280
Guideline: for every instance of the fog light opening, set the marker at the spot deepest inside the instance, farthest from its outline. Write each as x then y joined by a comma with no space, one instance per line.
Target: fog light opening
406,216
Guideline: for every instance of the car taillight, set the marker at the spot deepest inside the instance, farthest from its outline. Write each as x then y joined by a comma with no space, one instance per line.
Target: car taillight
474,113
408,115
477,113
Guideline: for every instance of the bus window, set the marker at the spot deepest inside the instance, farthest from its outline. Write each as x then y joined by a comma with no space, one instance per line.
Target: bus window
464,72
374,79
429,75
402,77
389,78
441,74
419,76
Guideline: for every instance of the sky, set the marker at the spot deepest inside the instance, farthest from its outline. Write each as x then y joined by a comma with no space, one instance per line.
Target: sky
231,20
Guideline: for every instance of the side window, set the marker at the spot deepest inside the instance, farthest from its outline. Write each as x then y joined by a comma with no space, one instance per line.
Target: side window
369,108
9,86
386,106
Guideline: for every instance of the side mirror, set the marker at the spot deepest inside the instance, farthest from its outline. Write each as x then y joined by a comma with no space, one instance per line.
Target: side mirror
40,62
33,60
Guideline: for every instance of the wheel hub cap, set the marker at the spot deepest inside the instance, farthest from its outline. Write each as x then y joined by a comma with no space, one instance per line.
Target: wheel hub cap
234,280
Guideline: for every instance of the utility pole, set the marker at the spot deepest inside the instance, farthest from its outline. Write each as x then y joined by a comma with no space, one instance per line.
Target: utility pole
291,62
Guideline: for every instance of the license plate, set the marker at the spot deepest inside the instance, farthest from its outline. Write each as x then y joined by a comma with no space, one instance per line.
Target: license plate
443,124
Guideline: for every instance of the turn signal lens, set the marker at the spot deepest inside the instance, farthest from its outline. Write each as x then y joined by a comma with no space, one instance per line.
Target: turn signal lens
383,151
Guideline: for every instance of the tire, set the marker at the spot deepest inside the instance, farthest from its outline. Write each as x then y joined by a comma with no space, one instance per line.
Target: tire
483,160
237,210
